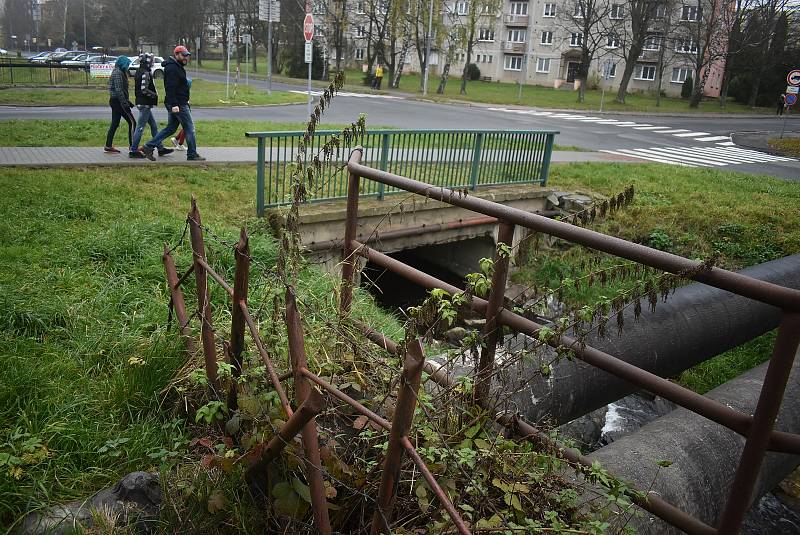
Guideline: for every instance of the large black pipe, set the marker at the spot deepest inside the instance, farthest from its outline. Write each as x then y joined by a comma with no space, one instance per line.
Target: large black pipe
704,455
695,323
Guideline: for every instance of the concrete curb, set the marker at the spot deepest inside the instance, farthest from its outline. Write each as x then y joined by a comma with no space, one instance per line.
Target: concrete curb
758,140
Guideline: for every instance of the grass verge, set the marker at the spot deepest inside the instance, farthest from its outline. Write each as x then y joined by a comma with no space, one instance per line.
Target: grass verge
84,343
789,146
204,94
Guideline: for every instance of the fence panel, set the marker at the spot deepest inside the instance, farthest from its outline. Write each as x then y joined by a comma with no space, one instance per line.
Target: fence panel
46,75
456,159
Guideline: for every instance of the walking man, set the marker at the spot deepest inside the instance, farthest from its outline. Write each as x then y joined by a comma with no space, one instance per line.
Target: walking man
120,103
146,100
376,84
176,87
781,104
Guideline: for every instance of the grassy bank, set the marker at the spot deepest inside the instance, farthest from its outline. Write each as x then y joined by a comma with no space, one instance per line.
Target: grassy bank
84,342
789,146
691,212
204,94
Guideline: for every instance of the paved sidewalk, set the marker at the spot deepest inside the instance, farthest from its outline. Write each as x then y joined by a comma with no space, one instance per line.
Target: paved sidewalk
80,156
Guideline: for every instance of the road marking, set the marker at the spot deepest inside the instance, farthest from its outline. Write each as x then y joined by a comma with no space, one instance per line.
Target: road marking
626,123
727,144
682,156
672,131
651,127
714,138
691,134
627,152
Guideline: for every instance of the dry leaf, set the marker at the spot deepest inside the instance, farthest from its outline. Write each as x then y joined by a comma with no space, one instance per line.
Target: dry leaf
216,502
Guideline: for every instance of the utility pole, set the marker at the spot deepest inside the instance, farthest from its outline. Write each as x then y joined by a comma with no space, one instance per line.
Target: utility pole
85,44
428,49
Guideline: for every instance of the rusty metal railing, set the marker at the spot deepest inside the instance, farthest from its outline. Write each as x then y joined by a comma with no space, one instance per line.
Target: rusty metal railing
307,399
757,429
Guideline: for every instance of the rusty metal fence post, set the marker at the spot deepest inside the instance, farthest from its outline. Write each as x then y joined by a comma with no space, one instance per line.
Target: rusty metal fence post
349,259
302,391
401,424
241,253
203,303
492,330
758,436
176,299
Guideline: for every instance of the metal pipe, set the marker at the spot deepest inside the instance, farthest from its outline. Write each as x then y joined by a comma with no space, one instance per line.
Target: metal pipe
256,474
273,376
401,426
773,294
437,490
713,410
348,258
347,399
185,276
178,304
758,437
214,275
203,303
302,391
492,330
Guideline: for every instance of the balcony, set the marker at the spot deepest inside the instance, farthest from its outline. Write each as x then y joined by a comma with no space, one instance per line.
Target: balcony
515,20
510,46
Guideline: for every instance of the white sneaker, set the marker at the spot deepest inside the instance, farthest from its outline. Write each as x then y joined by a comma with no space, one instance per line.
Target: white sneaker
177,145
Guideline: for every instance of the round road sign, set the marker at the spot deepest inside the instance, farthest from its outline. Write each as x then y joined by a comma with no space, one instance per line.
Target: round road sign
791,100
793,77
308,28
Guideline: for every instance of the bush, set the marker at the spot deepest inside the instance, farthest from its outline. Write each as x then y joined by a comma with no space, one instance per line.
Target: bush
473,72
688,86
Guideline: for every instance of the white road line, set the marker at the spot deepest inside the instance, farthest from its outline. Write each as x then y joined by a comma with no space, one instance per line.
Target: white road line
683,156
727,144
714,152
627,152
756,154
626,123
575,117
672,131
651,127
714,138
691,134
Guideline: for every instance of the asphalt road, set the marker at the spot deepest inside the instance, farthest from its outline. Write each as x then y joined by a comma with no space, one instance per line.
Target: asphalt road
679,139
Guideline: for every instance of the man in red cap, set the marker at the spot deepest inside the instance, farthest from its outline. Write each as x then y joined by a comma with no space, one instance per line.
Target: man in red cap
176,87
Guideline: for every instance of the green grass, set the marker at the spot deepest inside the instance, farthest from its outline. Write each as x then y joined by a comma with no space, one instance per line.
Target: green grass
790,146
92,132
204,94
83,298
691,212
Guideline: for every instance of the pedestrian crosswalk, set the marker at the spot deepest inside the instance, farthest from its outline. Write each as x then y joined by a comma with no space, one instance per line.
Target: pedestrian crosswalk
700,156
717,151
349,94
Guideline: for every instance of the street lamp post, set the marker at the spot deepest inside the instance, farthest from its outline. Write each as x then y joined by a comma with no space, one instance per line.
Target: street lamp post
85,44
428,49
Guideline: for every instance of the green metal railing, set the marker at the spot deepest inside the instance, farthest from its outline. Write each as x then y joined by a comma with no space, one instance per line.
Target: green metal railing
449,158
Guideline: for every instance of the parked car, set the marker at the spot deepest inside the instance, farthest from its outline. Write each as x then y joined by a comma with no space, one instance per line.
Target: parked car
65,56
3,52
155,69
41,57
79,61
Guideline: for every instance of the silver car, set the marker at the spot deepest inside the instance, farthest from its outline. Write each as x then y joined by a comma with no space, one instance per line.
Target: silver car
156,70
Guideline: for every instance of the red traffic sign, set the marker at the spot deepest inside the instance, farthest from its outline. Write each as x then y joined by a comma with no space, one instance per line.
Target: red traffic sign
793,78
308,27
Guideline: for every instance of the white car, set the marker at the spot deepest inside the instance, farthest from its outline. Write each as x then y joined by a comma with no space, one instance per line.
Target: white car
3,52
156,70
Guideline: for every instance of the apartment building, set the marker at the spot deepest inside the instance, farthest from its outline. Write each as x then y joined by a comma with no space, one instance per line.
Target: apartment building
539,42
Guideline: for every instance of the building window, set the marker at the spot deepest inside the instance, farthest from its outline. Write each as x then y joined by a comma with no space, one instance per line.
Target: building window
462,8
487,9
513,63
359,53
644,72
612,70
547,38
652,42
490,58
486,34
580,10
689,13
658,12
543,65
617,11
686,46
519,8
361,31
679,74
359,8
549,10
612,41
576,39
516,36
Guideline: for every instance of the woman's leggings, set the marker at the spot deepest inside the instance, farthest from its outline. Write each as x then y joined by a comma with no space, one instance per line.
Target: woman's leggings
118,110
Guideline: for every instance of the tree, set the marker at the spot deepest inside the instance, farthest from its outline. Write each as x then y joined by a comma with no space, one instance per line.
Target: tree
123,19
479,12
687,88
585,22
631,36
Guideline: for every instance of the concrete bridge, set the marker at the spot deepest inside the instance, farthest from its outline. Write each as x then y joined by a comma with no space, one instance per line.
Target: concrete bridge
401,223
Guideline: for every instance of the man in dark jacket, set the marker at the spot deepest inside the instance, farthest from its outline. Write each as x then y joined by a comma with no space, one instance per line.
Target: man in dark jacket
176,86
146,99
